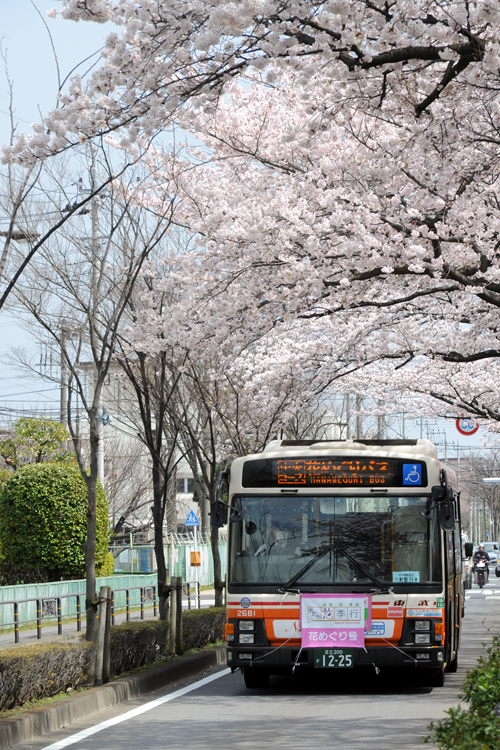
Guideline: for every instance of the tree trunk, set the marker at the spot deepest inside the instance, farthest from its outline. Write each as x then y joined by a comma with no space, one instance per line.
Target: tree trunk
218,584
205,515
158,514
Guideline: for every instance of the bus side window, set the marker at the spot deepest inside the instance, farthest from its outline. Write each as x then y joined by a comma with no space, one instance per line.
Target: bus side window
458,550
451,554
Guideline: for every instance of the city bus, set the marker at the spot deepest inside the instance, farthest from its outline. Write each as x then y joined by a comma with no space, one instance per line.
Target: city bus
326,522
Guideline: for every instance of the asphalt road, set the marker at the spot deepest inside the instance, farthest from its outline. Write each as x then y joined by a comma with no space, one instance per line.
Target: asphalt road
337,710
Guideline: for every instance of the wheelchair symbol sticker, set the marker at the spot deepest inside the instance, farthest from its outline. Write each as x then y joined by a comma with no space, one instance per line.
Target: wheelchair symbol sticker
412,474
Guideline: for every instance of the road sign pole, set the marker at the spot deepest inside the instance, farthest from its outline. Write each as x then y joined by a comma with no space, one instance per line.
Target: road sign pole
191,520
196,549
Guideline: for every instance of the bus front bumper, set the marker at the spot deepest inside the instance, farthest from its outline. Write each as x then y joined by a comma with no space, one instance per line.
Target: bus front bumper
281,660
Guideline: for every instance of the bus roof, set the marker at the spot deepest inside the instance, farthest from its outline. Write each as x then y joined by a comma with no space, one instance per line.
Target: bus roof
417,447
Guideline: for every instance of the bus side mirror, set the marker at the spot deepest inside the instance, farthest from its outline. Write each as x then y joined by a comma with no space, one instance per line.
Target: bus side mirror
468,549
447,516
442,496
219,511
218,515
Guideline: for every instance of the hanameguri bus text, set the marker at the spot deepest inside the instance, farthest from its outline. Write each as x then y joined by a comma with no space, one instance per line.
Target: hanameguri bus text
343,555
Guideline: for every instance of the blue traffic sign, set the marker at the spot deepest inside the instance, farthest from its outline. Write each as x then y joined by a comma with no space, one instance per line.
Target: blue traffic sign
191,520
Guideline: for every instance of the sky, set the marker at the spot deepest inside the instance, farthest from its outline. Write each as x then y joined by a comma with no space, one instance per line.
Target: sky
27,46
30,59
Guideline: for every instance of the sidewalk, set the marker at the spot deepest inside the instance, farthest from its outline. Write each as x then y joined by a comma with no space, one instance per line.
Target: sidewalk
26,637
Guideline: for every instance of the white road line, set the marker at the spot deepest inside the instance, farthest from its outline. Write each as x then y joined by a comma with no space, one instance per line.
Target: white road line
486,599
135,712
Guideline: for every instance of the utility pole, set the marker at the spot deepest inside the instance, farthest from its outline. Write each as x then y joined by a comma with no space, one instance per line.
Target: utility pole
380,424
359,418
348,416
64,381
94,217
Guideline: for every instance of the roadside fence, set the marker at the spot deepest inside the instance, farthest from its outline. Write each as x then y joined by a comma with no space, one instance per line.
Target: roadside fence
130,600
134,585
141,558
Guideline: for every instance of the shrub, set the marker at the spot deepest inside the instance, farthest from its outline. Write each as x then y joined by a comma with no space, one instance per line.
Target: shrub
475,728
10,575
108,566
42,670
202,626
43,520
135,644
5,474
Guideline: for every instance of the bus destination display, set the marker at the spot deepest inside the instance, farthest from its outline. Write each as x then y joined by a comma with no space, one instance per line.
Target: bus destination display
334,472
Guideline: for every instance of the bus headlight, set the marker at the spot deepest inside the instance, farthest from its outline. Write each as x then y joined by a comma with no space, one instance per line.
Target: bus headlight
422,638
246,625
247,638
422,625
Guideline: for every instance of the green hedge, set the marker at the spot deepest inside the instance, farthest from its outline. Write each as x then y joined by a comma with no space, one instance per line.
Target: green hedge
42,670
135,644
202,626
43,520
477,727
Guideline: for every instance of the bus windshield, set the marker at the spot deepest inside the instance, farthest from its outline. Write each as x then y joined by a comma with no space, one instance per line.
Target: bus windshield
346,539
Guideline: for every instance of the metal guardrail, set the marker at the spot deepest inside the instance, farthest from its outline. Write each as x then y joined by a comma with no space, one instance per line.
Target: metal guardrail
51,607
43,609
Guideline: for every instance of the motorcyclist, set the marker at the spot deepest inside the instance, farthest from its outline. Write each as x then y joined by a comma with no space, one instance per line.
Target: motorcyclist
479,555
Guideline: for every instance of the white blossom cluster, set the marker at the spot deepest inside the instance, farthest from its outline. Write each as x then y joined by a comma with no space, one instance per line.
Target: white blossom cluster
346,201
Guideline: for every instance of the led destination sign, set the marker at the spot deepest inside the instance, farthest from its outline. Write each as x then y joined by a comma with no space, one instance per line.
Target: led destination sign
334,472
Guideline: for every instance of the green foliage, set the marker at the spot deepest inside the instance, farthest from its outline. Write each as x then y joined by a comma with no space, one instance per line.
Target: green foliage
11,575
43,518
108,566
34,441
42,670
475,728
135,644
202,626
5,474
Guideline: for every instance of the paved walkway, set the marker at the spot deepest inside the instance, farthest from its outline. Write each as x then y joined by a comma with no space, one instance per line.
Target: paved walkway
207,599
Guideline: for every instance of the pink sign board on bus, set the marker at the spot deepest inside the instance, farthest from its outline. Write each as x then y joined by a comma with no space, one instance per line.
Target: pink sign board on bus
334,620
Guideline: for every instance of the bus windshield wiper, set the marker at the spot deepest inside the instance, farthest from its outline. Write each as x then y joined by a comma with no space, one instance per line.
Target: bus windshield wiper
286,587
381,588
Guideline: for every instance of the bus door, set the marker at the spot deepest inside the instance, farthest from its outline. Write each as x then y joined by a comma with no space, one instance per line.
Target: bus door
453,591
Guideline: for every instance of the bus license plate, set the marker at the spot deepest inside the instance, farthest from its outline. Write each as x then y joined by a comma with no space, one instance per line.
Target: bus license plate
333,658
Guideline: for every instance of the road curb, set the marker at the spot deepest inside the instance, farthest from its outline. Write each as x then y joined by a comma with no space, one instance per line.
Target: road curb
39,721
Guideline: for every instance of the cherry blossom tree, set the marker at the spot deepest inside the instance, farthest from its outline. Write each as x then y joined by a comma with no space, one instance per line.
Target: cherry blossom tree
399,57
348,179
309,224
